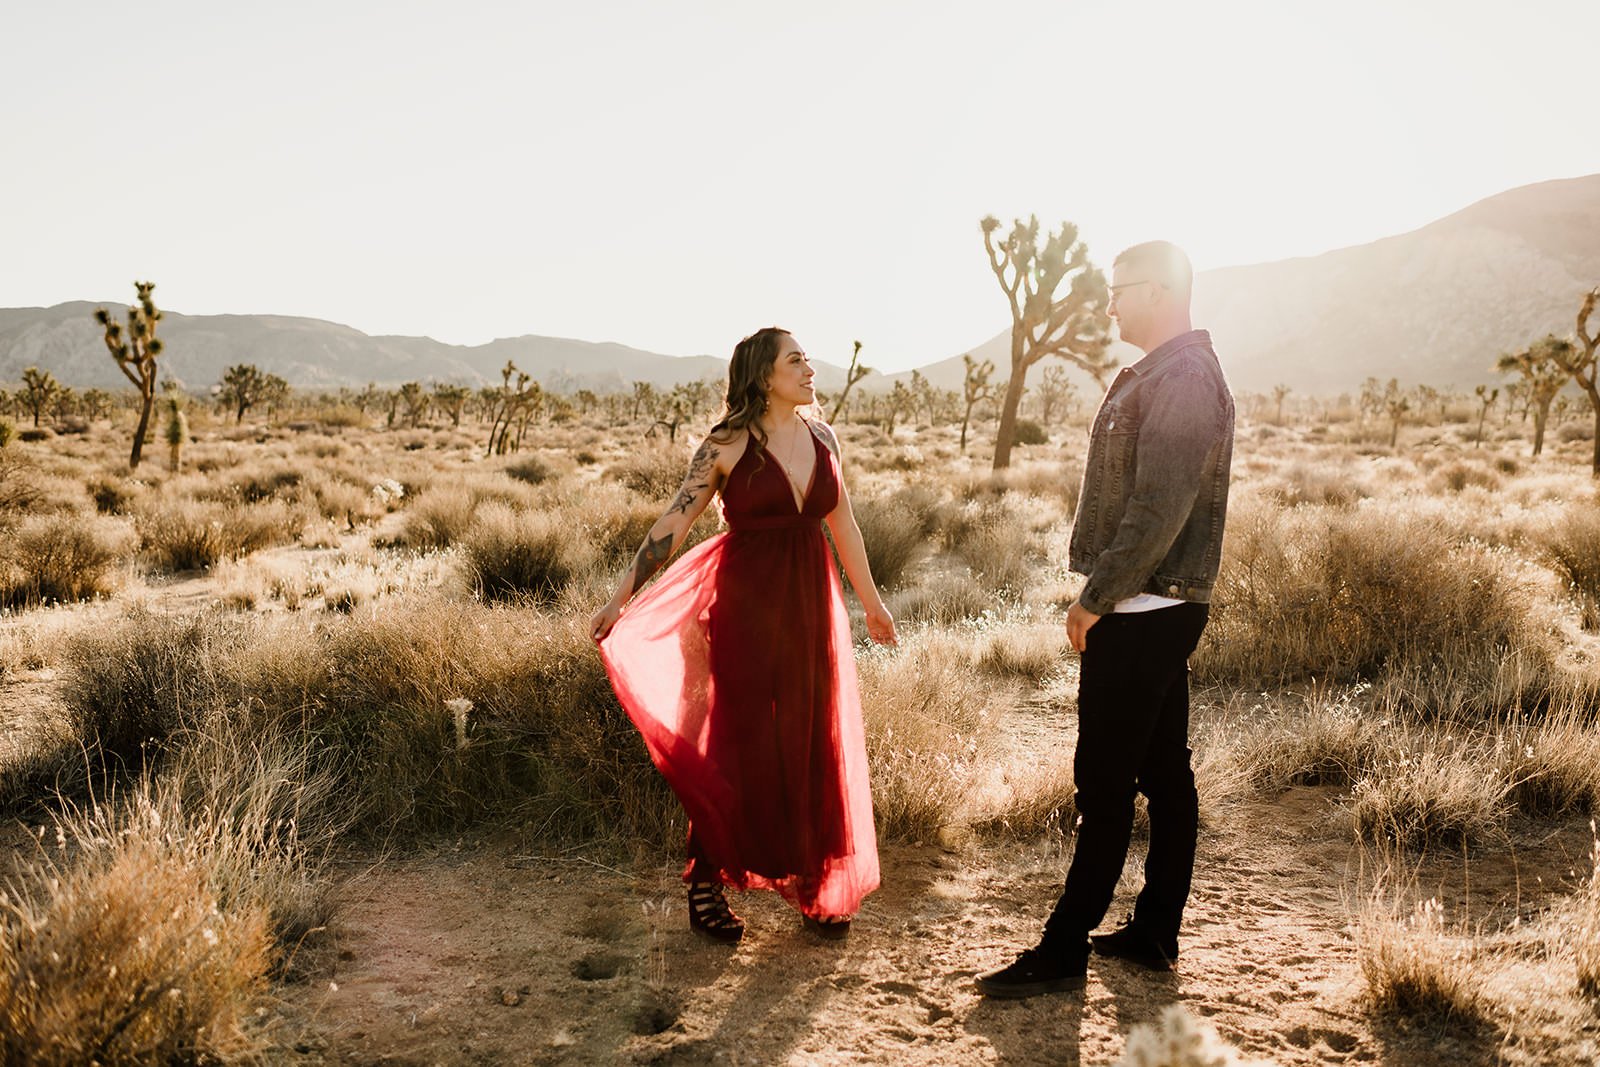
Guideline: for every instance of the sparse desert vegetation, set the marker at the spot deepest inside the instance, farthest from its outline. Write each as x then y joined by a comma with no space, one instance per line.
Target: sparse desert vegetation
324,644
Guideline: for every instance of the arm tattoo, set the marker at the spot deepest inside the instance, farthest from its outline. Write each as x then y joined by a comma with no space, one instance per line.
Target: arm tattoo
829,438
652,554
698,479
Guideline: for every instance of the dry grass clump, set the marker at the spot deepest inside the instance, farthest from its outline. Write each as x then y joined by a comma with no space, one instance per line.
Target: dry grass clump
924,706
654,469
1552,764
995,542
437,518
1573,546
1322,742
1417,968
60,557
941,598
182,535
1342,596
531,468
128,953
1030,651
1178,1039
892,532
507,555
1585,936
1456,476
371,698
1035,798
1439,792
1308,482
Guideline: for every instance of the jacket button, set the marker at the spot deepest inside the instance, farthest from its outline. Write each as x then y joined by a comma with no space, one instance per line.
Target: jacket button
1172,589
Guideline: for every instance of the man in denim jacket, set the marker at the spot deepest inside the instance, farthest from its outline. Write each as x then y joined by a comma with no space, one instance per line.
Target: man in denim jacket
1149,536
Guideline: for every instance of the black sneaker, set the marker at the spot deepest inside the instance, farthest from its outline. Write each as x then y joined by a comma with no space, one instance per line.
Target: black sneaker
1135,944
1036,972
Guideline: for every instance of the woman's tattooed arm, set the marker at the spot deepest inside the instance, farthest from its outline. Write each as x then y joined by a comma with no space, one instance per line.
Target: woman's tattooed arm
698,479
652,555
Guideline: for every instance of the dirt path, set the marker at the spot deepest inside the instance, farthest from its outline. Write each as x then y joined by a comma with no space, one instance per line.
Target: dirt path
470,954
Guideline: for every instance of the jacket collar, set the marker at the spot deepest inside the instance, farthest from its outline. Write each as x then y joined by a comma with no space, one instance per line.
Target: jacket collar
1163,352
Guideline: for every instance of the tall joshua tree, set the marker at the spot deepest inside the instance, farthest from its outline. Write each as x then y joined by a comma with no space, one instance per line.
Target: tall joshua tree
1486,399
39,391
857,371
1074,326
136,356
1543,367
1579,360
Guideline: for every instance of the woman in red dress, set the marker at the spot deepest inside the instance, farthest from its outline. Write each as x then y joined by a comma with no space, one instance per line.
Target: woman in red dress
736,666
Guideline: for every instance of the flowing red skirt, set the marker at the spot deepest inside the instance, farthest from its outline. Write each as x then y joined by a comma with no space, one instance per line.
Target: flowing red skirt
736,667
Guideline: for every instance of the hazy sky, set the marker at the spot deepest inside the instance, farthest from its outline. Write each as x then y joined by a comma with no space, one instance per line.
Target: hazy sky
672,176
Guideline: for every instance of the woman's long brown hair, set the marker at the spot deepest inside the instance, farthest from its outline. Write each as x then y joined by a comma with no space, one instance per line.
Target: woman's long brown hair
748,372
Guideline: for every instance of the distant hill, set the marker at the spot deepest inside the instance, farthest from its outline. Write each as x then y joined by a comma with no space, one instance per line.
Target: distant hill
1434,306
313,354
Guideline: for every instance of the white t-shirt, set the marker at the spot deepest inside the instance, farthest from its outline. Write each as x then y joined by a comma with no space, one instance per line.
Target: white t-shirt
1144,602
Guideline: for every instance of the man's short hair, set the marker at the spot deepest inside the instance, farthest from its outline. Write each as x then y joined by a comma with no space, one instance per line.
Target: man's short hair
1164,261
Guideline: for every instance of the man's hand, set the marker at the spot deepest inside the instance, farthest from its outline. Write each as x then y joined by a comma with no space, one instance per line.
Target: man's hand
1079,619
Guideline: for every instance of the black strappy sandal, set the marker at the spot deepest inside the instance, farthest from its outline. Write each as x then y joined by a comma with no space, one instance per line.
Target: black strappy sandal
710,915
831,929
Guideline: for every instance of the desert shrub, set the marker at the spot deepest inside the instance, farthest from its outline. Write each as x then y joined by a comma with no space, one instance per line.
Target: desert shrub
1573,546
1037,799
1321,743
113,495
891,532
531,469
60,558
924,707
1415,967
19,487
508,554
1580,430
1317,483
1551,763
1029,432
371,702
8,430
179,535
128,954
34,434
653,469
941,598
994,541
1434,793
1455,477
1028,651
437,518
255,483
1348,595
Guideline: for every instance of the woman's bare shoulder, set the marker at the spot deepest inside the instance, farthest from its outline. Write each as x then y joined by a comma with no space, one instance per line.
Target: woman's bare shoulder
824,434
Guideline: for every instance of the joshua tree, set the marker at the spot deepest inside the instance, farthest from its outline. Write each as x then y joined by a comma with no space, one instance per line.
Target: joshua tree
509,403
1543,368
1074,327
416,401
976,390
96,403
1580,361
1279,394
136,356
1486,399
39,391
241,388
857,371
1396,404
177,430
644,395
900,401
452,399
1055,388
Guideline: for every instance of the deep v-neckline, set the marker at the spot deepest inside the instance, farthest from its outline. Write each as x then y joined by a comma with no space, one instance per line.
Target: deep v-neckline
811,483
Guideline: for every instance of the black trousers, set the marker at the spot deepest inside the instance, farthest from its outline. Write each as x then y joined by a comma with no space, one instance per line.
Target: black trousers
1133,736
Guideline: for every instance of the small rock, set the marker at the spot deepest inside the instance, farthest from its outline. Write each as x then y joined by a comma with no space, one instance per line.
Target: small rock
510,998
936,1013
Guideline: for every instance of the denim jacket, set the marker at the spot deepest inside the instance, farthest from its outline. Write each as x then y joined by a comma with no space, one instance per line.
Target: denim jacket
1155,485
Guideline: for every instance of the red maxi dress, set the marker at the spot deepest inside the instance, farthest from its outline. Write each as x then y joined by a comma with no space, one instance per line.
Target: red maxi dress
736,667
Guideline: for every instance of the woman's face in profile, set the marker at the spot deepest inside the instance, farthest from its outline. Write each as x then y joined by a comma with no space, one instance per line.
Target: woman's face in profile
791,377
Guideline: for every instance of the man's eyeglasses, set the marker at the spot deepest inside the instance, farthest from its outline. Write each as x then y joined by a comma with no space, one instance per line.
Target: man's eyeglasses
1128,285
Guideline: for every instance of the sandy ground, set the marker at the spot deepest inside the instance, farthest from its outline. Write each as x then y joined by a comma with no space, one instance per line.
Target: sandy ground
467,952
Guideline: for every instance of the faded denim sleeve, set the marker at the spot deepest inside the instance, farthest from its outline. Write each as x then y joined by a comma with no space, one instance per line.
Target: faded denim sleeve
1181,422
